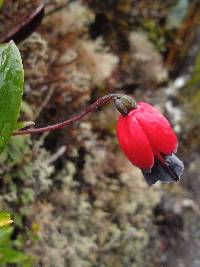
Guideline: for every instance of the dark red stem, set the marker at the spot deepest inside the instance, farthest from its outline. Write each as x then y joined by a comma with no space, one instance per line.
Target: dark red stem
98,103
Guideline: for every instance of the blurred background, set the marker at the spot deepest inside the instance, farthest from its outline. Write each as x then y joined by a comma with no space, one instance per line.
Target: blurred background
75,199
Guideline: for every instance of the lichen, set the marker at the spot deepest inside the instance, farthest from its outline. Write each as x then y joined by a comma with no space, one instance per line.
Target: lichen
98,216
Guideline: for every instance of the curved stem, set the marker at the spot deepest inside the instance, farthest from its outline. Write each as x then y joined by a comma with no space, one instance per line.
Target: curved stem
98,103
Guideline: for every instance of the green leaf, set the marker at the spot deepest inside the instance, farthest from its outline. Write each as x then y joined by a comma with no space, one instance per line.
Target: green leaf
11,90
5,218
5,234
9,255
1,3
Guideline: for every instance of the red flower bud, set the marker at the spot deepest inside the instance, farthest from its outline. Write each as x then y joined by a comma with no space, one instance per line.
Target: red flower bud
148,141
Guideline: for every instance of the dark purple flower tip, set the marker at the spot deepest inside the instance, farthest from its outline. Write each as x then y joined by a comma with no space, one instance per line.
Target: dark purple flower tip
168,171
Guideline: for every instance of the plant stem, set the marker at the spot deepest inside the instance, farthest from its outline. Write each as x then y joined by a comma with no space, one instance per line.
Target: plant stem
98,103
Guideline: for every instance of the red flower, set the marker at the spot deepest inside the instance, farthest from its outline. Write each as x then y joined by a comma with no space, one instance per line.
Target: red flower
148,141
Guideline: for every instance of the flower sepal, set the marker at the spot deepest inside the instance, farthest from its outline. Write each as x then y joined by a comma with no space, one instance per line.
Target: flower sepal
125,104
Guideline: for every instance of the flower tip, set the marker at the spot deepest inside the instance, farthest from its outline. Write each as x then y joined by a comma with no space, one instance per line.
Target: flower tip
168,172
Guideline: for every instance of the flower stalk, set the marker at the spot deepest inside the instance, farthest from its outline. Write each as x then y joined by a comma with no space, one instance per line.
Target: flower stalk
98,103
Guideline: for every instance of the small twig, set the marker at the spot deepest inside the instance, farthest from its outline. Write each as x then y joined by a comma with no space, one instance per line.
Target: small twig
56,155
26,27
98,103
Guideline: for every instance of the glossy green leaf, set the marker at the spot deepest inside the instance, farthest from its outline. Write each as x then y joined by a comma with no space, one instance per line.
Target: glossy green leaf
11,90
5,219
